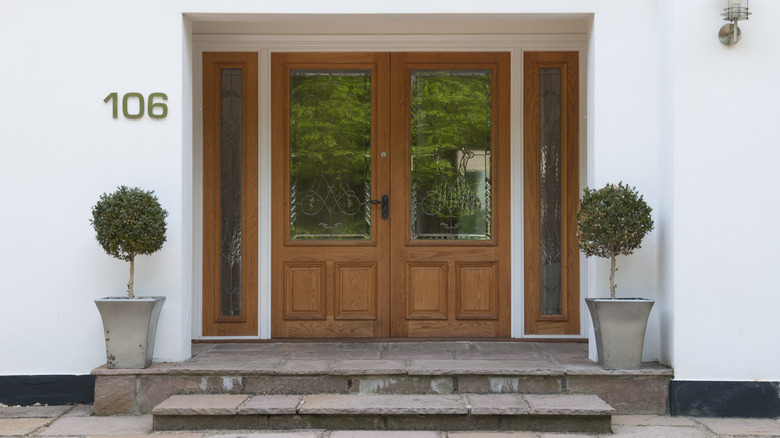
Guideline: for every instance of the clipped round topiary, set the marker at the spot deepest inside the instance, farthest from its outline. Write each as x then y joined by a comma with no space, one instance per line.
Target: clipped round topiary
128,222
612,221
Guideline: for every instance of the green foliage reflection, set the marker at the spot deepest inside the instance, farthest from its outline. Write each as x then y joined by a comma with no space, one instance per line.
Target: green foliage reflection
451,125
330,154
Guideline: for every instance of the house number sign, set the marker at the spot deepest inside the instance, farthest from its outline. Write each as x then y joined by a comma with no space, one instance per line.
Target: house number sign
157,109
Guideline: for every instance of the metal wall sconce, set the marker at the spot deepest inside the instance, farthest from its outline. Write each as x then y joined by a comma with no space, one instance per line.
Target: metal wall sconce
735,10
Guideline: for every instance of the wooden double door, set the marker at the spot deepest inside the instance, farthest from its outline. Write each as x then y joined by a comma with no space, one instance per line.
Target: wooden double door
390,196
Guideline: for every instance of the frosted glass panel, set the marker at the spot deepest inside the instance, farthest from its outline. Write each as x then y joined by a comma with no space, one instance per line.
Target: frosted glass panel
451,142
551,190
330,154
230,186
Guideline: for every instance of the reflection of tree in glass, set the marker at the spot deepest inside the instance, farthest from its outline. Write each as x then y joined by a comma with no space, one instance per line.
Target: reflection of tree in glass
330,154
451,152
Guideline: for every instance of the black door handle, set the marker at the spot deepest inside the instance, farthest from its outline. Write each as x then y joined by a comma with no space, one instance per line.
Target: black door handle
385,202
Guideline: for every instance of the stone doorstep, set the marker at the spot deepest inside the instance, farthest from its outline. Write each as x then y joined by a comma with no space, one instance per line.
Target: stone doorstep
139,394
497,412
579,405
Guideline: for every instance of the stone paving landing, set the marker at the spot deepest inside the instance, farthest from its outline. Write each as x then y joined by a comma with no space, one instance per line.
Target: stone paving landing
408,367
77,421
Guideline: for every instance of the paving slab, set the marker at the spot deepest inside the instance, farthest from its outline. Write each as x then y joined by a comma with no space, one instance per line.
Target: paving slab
228,365
173,435
80,411
419,355
198,347
311,434
155,368
304,367
117,425
380,404
742,426
507,355
652,420
253,347
271,405
33,411
497,404
362,346
21,426
586,367
368,367
219,404
335,354
521,434
660,432
483,367
429,346
384,434
567,404
565,435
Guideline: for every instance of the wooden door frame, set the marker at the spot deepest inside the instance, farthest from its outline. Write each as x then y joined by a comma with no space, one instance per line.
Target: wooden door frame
452,269
287,254
568,322
214,324
264,45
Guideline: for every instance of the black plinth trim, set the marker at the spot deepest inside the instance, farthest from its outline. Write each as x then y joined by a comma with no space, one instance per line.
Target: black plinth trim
724,399
50,389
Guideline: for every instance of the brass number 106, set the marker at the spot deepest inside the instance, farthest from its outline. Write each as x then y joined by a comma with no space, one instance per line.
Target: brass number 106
162,107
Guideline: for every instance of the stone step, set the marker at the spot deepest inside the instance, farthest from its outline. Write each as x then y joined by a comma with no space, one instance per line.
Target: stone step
543,412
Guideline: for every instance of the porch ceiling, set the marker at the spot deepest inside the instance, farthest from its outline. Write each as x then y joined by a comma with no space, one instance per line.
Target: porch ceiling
387,24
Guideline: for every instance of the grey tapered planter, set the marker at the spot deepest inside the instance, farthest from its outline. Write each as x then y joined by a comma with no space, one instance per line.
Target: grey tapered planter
130,326
619,326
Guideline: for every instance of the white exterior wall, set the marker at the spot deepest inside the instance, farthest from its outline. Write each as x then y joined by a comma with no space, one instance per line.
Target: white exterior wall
726,233
658,118
61,150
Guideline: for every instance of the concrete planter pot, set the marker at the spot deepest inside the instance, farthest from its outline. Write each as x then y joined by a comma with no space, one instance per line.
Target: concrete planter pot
130,327
620,330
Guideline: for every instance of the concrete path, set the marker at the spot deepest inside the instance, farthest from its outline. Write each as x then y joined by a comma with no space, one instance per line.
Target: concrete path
78,421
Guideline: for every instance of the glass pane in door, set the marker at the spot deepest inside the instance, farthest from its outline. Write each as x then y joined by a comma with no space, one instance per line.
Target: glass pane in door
230,189
550,185
330,154
451,144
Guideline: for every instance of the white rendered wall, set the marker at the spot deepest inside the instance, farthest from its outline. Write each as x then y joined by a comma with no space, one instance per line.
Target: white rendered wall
61,149
659,118
726,206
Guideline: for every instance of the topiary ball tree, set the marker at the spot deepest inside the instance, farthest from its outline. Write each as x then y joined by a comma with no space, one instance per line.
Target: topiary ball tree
612,221
129,222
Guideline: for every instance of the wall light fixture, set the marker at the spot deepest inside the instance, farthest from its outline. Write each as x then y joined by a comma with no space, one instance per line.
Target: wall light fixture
735,10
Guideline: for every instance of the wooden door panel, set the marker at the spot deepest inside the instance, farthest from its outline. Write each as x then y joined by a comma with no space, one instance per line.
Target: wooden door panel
348,294
305,291
427,290
355,291
449,285
563,266
477,291
239,316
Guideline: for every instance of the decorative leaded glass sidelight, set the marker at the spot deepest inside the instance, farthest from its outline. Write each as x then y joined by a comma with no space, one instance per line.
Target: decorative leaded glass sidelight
451,150
330,154
550,183
230,196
